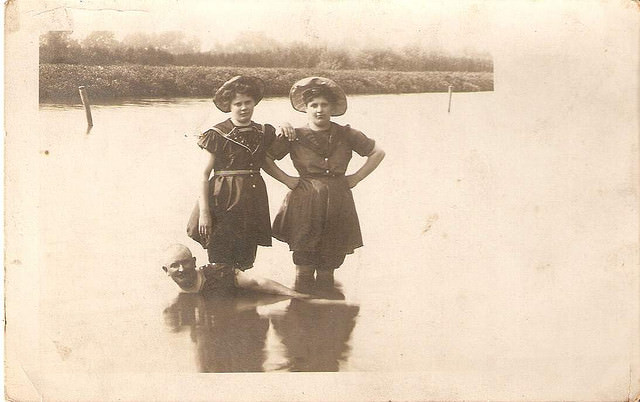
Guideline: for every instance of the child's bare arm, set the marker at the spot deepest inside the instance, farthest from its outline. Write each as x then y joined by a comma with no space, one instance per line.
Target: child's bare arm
274,171
205,222
286,129
373,160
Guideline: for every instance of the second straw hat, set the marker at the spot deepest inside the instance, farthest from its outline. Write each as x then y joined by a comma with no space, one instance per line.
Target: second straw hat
297,101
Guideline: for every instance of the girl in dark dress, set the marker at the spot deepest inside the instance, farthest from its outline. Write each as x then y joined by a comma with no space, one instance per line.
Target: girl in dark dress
232,215
318,218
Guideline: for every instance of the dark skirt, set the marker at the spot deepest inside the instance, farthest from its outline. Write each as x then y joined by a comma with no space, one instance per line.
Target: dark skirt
319,215
240,212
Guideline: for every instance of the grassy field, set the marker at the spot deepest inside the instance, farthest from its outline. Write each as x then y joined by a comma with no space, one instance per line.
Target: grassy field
59,82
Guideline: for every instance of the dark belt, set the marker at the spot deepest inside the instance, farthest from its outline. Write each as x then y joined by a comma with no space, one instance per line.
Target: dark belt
321,175
235,172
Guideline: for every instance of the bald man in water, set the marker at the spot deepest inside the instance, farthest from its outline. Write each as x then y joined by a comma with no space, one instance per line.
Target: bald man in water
180,265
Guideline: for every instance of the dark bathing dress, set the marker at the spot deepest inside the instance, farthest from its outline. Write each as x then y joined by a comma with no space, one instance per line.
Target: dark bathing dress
214,280
237,194
319,215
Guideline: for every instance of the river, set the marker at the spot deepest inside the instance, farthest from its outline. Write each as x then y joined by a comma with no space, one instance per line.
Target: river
454,275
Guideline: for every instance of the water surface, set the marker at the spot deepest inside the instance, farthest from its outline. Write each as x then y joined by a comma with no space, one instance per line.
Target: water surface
453,236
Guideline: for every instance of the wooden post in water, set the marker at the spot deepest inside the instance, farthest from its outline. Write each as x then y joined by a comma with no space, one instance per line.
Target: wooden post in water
85,102
450,92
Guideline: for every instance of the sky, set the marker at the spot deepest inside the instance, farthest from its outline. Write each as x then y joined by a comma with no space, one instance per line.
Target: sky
456,27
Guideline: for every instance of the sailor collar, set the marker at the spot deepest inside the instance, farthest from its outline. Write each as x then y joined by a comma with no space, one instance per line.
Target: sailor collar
321,142
233,133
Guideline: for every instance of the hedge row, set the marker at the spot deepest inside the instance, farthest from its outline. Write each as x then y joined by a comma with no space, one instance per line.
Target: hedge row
59,82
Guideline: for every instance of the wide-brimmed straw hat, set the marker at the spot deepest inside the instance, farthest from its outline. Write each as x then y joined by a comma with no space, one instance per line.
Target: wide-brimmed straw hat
254,82
299,88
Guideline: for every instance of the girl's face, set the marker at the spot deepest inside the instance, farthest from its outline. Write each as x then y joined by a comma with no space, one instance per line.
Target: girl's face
319,112
242,109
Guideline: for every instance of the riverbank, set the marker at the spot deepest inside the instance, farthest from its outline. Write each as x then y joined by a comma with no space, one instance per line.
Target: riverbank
59,82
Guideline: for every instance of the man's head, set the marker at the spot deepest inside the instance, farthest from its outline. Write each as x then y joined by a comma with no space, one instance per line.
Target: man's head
180,265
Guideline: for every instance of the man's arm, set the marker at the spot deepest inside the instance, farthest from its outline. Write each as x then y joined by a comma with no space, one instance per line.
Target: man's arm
264,285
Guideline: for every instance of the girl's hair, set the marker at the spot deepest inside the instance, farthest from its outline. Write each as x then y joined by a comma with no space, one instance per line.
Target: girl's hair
309,94
239,88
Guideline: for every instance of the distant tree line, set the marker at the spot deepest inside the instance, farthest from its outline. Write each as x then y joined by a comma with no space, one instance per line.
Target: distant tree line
176,49
59,82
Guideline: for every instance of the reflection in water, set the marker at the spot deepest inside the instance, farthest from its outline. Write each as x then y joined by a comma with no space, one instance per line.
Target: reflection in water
316,335
228,331
230,335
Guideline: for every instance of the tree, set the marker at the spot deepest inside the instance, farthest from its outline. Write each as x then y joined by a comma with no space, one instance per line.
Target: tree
101,39
251,41
174,42
58,47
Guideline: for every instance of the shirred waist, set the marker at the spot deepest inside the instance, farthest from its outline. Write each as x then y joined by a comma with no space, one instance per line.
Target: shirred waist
235,172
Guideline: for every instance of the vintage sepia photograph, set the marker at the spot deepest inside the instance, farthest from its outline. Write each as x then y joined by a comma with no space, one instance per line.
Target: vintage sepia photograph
327,200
